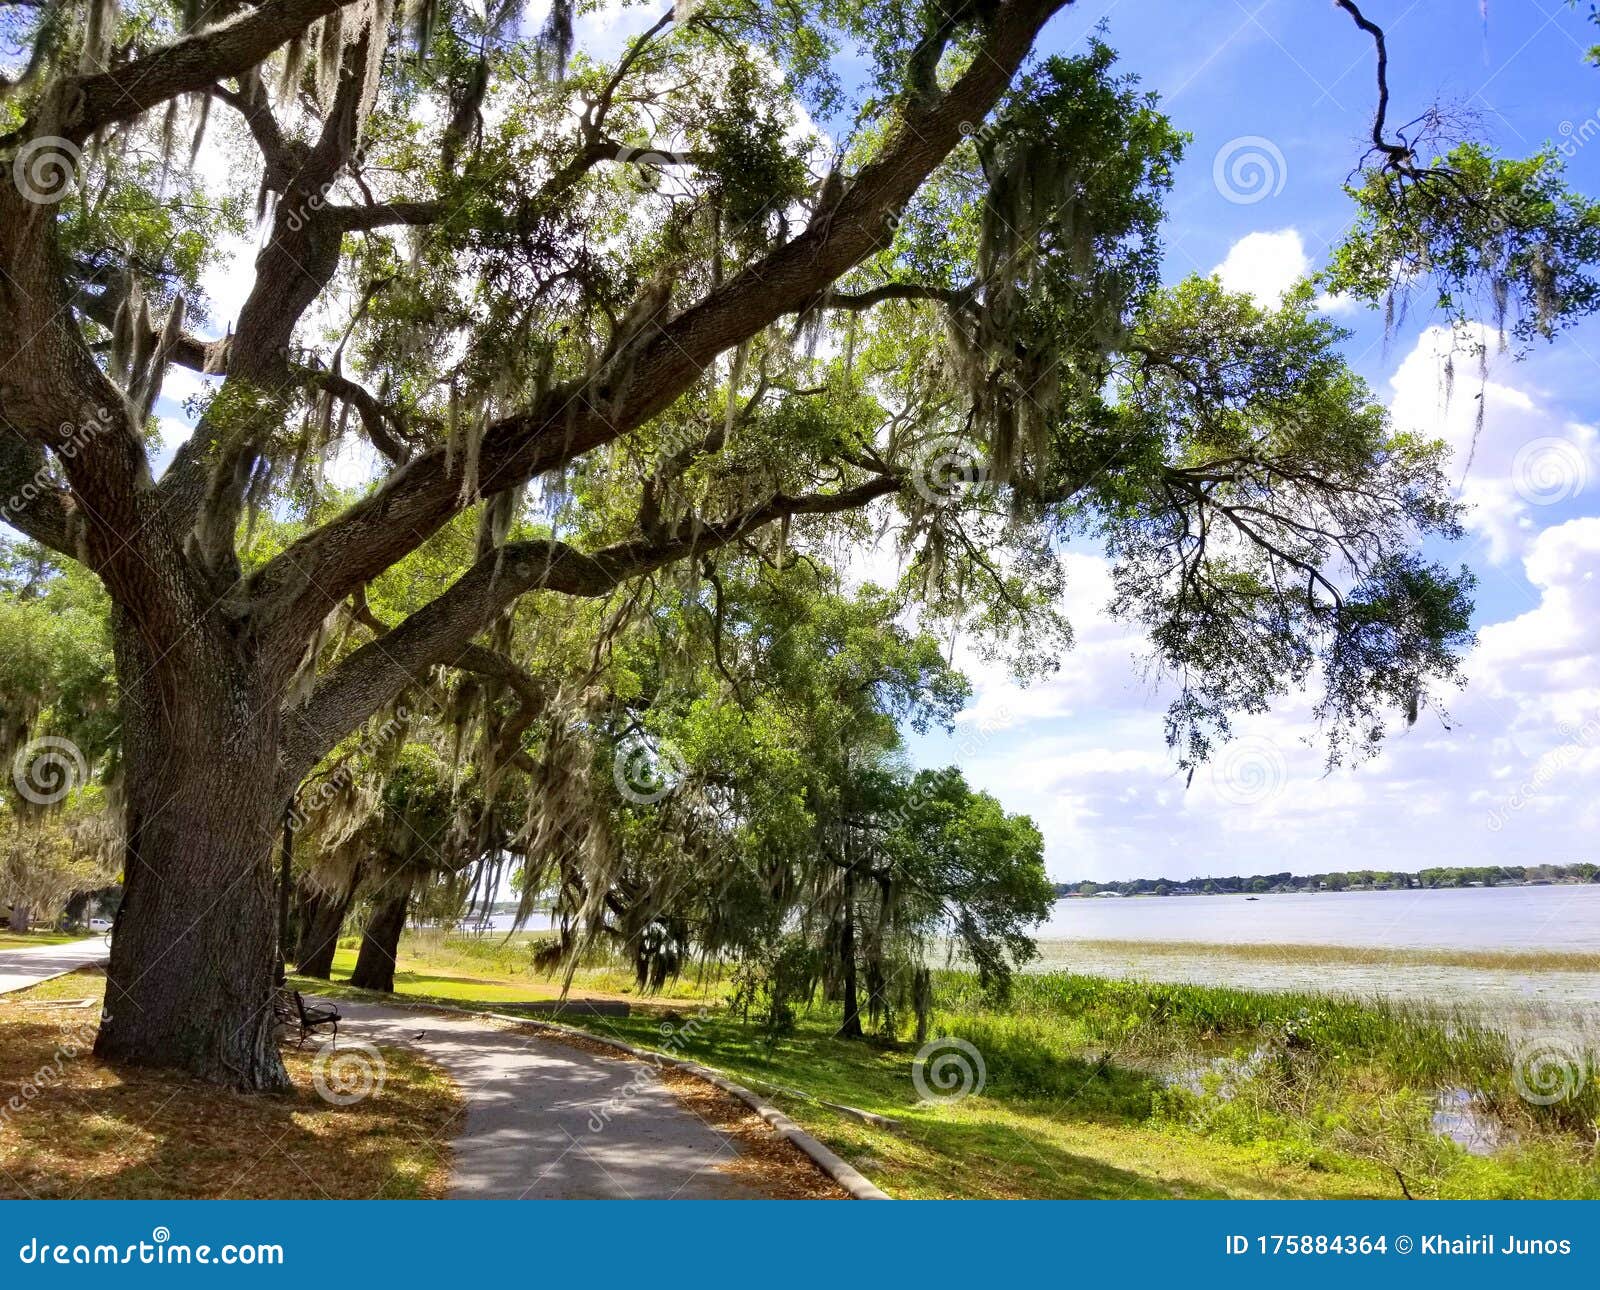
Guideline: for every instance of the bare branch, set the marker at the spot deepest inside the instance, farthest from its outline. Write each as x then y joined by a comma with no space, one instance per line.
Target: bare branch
1399,155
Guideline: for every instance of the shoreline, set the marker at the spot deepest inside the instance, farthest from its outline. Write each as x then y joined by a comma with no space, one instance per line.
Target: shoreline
1295,953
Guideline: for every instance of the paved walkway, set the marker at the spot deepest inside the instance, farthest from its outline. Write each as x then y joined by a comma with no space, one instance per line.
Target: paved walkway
20,968
545,1121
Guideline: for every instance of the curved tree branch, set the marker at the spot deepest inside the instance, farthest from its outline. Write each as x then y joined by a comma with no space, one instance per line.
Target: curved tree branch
299,587
441,632
84,104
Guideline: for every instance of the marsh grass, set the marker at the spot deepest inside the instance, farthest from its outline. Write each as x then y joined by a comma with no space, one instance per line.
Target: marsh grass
1358,955
1301,1075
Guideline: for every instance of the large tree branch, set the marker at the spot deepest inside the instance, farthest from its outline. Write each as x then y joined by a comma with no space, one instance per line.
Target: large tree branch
299,587
206,483
30,500
81,105
860,301
441,633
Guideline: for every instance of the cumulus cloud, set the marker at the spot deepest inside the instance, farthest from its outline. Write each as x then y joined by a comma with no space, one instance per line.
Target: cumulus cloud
1509,773
1265,265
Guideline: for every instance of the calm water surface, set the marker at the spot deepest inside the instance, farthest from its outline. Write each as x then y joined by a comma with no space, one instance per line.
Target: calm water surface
1472,918
1457,918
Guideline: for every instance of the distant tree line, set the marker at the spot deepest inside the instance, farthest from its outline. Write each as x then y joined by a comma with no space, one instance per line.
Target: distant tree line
1350,880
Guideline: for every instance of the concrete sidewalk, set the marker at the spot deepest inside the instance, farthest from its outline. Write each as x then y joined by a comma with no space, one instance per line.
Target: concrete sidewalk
20,968
547,1121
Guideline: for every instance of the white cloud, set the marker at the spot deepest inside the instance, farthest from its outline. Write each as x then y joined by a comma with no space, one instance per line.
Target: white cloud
1523,460
1265,265
1510,774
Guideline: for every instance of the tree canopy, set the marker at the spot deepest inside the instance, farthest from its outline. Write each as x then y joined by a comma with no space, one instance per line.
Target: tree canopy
610,328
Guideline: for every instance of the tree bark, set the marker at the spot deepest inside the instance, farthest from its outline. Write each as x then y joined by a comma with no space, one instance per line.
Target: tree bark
194,957
851,1026
21,917
380,943
319,936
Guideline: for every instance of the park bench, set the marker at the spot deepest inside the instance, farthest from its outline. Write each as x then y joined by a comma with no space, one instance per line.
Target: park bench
289,1008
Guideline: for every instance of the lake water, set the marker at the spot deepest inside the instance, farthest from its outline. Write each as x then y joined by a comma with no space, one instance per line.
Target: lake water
1457,918
1471,918
1464,918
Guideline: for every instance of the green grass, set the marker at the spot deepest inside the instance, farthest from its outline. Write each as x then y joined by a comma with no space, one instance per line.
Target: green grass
1102,1088
10,940
454,969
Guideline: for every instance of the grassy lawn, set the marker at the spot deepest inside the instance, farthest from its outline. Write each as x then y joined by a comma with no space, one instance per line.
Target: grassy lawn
10,940
71,1126
1098,1088
491,970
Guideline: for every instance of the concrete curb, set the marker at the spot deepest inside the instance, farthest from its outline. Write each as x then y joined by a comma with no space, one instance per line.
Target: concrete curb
840,1170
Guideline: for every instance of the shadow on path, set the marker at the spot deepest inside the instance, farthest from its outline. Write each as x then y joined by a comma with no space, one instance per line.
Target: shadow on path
545,1121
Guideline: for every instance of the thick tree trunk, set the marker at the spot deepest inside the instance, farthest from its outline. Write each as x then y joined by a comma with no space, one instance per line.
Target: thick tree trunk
380,943
319,937
194,956
21,917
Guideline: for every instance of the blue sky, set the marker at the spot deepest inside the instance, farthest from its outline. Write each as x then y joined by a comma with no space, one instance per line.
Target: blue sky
1514,776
